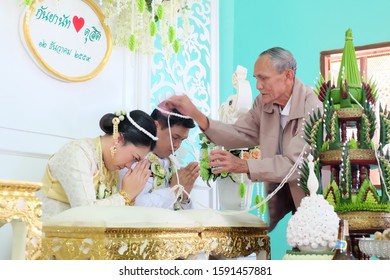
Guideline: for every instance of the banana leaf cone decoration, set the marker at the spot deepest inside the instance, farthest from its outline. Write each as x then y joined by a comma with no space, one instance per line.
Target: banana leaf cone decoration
350,88
349,77
349,64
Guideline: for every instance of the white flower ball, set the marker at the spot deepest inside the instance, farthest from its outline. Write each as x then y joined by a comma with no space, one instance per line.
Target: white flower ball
315,224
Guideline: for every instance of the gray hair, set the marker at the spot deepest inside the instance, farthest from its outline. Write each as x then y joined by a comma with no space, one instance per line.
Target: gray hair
281,59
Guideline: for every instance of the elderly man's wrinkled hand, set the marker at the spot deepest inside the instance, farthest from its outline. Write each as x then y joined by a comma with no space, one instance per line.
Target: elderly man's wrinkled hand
224,161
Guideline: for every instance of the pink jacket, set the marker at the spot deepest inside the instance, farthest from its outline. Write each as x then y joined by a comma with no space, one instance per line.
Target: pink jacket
261,126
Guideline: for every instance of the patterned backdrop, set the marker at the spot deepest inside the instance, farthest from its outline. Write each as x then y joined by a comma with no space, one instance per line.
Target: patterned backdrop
189,71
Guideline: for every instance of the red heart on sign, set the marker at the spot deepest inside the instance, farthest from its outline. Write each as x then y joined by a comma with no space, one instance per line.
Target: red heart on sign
78,23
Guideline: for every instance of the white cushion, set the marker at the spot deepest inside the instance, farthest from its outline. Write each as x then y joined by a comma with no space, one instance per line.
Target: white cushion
120,217
149,217
214,218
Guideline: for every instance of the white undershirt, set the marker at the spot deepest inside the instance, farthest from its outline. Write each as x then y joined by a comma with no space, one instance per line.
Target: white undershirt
284,113
283,121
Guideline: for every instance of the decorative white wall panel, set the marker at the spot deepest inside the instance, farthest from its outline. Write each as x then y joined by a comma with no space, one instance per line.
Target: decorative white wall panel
194,72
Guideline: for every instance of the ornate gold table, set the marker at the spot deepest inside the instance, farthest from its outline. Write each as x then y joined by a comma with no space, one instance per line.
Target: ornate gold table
152,234
20,207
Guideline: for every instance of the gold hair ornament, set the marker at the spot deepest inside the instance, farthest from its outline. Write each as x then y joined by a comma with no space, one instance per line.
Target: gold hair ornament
115,135
120,116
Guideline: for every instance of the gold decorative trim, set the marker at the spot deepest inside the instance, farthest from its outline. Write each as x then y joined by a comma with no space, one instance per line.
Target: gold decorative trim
357,156
366,220
349,113
45,65
19,187
236,242
151,243
19,203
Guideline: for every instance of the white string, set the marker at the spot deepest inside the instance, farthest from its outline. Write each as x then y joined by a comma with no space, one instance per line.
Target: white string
141,128
292,170
180,189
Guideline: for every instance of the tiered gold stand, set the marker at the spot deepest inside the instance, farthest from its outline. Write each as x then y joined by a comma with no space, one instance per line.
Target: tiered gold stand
20,207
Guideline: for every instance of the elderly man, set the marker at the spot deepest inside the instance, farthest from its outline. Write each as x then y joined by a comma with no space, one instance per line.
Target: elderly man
274,122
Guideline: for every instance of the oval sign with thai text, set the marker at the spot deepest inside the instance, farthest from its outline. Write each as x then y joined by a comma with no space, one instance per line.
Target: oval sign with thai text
67,39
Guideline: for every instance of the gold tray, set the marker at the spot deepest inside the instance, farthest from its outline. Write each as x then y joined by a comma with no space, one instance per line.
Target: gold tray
369,221
357,156
349,114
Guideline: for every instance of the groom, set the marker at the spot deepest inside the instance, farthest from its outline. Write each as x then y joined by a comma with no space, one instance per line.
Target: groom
159,190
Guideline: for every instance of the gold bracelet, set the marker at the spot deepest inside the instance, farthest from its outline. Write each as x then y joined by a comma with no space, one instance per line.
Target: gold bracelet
125,196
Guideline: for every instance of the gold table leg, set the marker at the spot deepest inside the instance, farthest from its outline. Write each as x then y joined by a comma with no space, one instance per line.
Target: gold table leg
20,207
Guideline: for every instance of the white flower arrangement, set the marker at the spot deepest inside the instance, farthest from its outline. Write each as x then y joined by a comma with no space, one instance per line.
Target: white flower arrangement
314,226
